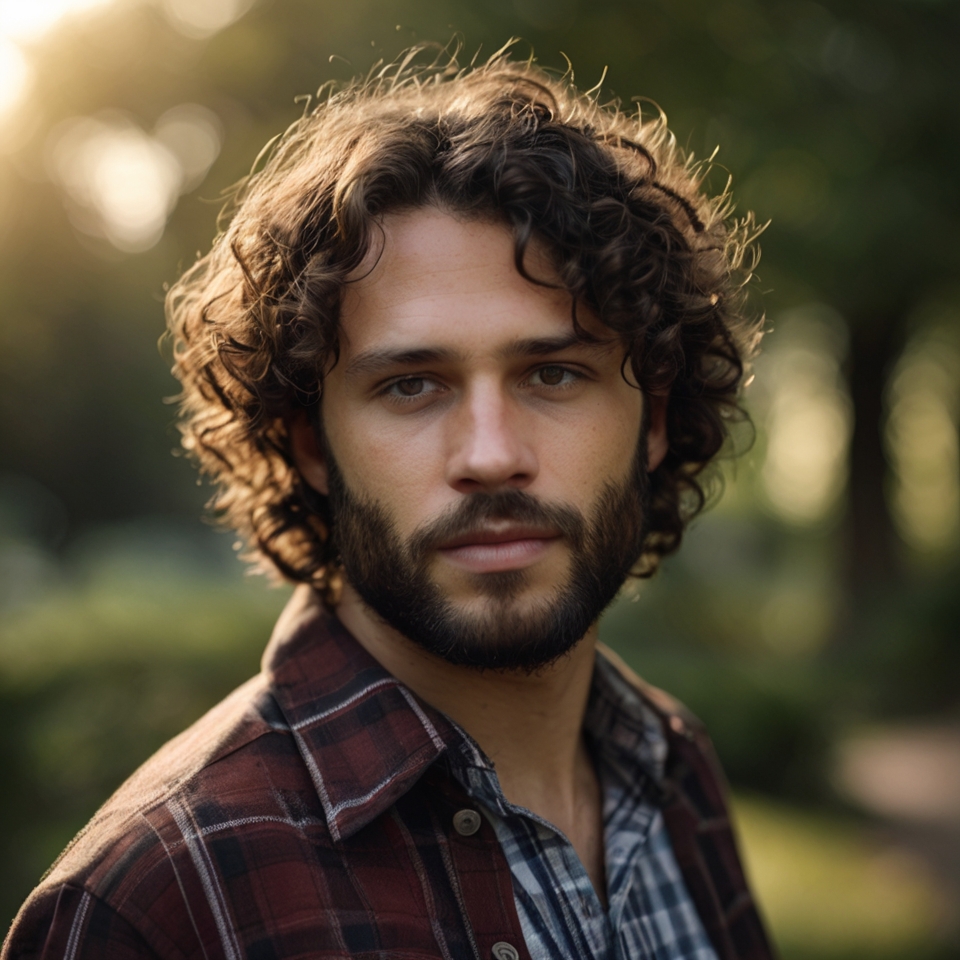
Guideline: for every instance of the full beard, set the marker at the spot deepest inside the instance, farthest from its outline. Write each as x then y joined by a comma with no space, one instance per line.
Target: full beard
507,633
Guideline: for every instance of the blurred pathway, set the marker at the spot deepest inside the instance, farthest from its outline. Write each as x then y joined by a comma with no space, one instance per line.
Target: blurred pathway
910,776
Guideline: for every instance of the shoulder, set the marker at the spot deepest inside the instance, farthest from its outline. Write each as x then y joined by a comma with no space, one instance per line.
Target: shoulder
692,757
664,704
695,809
136,872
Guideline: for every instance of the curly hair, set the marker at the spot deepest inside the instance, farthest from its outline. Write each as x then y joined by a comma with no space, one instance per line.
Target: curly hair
620,208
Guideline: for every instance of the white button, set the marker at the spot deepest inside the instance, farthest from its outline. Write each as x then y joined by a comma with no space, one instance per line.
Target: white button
504,951
467,823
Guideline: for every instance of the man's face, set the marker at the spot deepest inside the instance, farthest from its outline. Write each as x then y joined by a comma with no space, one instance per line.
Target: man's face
485,466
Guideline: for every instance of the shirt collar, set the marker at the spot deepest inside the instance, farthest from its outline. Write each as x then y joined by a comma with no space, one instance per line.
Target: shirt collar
627,733
626,736
364,737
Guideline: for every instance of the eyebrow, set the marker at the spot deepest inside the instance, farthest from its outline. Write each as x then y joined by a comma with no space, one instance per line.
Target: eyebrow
544,346
376,361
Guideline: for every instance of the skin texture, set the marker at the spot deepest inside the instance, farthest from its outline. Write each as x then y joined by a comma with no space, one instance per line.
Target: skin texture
456,376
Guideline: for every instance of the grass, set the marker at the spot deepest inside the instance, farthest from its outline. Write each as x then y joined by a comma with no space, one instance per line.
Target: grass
832,889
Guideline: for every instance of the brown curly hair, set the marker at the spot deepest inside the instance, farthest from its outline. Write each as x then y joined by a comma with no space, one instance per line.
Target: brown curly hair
618,205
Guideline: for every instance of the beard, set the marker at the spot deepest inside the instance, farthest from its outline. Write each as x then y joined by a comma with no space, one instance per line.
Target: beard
393,578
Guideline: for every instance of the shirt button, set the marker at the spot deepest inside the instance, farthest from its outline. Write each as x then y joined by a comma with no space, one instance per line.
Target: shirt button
467,823
504,951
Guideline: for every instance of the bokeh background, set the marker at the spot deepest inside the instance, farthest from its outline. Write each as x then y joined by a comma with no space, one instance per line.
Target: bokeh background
813,616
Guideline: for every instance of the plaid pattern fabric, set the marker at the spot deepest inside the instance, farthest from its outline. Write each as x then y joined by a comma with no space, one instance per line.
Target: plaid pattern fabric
650,914
311,814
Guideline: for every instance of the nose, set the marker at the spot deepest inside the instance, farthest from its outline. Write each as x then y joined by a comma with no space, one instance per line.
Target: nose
488,446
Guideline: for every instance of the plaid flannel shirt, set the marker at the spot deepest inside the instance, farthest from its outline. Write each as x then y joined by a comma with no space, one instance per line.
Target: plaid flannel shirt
307,816
649,912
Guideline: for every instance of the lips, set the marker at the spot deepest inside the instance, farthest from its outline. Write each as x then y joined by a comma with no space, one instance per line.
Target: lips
498,549
498,535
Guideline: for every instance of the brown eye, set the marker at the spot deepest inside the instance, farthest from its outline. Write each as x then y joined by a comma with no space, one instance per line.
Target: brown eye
551,376
410,388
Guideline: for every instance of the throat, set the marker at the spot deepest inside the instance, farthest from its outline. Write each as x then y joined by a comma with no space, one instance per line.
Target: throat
573,803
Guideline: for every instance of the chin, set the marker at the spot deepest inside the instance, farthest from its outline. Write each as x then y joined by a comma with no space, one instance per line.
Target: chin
499,632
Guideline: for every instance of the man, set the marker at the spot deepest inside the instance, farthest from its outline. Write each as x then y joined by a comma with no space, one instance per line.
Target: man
456,366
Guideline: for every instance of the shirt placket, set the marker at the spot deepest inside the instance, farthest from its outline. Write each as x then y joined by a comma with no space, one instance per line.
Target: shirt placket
623,855
591,915
578,895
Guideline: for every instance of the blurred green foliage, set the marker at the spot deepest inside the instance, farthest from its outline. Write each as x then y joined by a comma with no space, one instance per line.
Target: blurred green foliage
139,632
839,120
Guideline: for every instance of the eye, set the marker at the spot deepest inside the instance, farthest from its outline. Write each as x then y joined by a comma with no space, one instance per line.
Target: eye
553,375
411,387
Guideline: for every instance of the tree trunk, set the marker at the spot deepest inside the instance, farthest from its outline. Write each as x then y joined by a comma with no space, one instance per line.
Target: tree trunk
871,544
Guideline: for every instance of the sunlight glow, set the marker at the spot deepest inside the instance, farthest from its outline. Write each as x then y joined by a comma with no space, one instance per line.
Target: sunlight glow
203,18
24,21
924,402
192,134
29,19
121,182
14,74
808,419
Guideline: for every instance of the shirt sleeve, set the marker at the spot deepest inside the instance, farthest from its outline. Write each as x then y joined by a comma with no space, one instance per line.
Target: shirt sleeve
69,923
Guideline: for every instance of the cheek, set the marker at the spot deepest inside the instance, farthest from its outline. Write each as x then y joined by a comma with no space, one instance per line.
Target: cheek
598,449
404,469
401,473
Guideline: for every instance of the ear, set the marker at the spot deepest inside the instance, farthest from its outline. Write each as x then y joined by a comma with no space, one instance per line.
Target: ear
657,440
307,452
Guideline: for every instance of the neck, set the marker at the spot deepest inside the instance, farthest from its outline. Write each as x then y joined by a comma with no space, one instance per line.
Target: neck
529,725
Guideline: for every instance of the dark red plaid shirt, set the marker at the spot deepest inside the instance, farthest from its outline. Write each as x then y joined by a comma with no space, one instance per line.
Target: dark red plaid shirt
308,816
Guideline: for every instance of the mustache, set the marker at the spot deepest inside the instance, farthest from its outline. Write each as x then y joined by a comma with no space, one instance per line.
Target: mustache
482,508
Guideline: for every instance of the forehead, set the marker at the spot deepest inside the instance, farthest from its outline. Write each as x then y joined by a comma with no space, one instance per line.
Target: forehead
434,276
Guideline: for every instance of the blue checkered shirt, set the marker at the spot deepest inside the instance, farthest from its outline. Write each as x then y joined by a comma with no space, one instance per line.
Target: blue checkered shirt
650,914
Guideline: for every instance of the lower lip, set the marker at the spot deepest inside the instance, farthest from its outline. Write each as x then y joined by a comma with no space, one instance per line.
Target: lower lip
496,557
